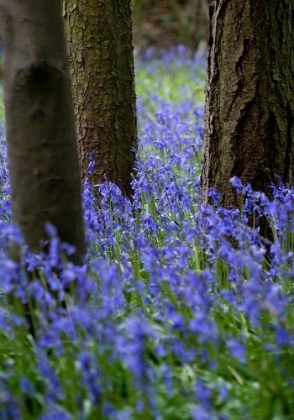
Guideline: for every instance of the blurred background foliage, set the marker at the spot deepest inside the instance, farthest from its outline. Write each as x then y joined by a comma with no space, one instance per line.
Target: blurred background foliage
162,24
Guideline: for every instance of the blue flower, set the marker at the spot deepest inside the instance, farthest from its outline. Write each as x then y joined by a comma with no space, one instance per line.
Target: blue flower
237,184
236,349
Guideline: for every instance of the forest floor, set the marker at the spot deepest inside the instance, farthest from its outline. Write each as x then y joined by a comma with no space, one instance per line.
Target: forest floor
180,324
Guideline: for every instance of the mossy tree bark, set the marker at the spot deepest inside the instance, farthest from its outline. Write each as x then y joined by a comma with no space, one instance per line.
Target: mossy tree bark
249,114
40,130
99,35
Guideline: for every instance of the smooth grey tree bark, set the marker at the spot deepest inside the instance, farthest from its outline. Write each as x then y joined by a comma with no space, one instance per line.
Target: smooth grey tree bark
249,111
40,129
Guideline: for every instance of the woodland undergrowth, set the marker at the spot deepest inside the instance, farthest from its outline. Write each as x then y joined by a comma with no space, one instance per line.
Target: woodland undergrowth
173,319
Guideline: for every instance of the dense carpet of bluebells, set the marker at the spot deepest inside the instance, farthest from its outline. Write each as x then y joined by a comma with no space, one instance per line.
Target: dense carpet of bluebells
183,311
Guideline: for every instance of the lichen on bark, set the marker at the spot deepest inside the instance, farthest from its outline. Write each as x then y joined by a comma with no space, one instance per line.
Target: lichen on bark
99,37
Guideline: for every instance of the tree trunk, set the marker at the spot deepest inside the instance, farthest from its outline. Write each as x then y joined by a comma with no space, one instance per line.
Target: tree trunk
102,67
249,114
40,131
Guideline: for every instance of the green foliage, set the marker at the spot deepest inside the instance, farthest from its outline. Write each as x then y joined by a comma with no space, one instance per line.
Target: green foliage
173,81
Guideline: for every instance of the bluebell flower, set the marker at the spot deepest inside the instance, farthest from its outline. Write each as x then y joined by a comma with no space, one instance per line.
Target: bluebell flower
237,184
13,233
282,337
55,414
91,375
203,394
9,409
27,387
215,195
150,223
201,413
236,349
200,130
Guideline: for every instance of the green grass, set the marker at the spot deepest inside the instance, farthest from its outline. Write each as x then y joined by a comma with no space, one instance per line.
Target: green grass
172,81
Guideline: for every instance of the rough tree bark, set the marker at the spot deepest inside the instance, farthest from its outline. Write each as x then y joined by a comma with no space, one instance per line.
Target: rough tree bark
99,35
40,131
249,115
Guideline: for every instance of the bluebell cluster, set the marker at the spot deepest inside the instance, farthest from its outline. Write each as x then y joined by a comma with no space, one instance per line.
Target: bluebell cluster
183,310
